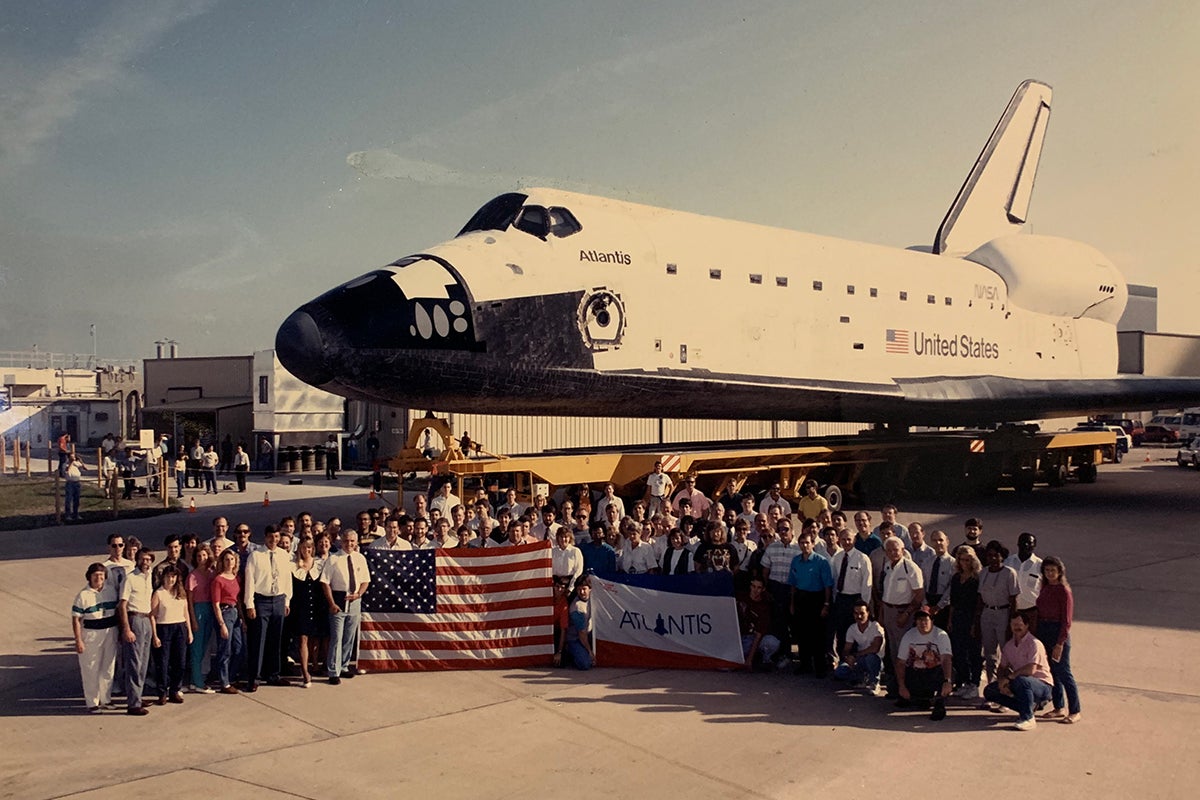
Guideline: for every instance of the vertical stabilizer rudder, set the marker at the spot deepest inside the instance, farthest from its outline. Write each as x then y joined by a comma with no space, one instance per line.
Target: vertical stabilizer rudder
994,200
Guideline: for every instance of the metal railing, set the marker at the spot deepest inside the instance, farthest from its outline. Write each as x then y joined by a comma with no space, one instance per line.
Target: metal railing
36,359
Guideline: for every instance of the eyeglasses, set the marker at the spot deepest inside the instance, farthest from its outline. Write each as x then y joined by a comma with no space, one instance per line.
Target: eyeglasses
117,545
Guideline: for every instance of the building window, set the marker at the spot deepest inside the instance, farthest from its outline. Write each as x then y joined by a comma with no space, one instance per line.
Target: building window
263,381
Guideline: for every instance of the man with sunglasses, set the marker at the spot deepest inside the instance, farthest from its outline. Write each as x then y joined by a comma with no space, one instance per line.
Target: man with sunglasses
117,569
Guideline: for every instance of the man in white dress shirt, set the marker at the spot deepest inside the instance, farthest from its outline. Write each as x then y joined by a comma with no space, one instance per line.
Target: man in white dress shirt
344,581
268,597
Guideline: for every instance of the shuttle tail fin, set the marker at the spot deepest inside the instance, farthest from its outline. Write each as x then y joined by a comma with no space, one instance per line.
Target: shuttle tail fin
994,200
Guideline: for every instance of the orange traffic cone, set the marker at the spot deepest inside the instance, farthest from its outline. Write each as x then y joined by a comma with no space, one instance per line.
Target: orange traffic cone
266,499
371,496
192,506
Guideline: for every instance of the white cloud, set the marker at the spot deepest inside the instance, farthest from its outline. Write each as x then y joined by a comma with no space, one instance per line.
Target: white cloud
32,115
382,163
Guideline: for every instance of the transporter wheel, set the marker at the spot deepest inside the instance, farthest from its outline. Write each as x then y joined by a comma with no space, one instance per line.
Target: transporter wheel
833,495
1056,475
1086,473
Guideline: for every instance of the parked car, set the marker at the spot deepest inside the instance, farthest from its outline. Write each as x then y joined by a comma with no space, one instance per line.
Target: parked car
1123,439
1159,434
1133,427
1189,454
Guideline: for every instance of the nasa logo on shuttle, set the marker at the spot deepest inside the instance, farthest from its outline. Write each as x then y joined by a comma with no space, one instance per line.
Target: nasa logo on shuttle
986,292
601,319
597,257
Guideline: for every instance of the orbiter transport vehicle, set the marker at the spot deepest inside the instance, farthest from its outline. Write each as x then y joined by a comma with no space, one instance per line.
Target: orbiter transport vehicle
557,303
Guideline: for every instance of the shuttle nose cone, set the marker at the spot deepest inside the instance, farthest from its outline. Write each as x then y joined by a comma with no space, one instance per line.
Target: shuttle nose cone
301,349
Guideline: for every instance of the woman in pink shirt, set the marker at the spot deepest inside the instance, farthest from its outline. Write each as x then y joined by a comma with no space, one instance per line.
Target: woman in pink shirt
226,592
199,590
1056,607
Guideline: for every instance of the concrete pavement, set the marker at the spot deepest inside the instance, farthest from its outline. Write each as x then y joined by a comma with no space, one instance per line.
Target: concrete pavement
1132,547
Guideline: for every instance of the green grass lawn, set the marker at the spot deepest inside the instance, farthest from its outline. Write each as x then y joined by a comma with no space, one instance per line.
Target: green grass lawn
29,503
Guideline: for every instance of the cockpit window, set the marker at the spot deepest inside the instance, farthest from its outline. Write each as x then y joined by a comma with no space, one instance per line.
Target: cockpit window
496,214
510,210
534,220
541,222
563,222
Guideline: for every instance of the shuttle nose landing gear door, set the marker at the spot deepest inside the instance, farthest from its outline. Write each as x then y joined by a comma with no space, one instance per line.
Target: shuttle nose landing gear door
601,319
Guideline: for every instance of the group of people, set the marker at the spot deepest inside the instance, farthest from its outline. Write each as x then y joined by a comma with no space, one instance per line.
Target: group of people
883,606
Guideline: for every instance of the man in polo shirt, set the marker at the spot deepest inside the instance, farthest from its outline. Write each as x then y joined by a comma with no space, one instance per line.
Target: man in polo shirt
811,585
344,580
864,541
902,592
698,503
1023,679
268,596
776,564
117,569
133,611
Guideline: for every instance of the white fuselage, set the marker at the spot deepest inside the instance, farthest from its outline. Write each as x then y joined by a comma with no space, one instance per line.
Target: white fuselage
739,299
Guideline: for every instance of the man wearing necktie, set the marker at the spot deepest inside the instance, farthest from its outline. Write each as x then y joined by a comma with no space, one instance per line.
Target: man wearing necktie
268,597
344,580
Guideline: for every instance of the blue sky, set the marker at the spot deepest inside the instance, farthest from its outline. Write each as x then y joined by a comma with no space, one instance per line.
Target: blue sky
196,169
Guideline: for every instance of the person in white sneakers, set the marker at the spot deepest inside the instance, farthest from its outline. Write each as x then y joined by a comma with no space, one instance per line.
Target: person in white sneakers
1023,680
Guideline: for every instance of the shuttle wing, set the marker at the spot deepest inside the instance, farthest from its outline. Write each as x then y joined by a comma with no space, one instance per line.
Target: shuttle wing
994,201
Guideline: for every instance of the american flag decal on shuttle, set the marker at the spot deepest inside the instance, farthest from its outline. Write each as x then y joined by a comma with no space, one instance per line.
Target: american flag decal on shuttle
896,341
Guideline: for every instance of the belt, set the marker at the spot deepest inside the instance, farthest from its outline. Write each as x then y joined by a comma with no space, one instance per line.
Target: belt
100,624
995,608
145,614
896,605
227,606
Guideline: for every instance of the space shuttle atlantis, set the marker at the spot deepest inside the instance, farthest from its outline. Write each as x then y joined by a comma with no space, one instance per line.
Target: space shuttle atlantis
556,303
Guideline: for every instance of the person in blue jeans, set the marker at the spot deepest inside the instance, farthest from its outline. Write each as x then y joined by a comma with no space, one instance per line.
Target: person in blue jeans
861,661
1023,679
231,640
1056,608
578,636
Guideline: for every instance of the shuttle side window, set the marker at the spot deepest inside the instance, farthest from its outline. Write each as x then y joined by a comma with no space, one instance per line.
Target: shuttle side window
534,220
496,214
563,222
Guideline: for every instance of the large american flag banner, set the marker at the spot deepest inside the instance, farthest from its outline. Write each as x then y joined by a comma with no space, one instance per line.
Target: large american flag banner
460,608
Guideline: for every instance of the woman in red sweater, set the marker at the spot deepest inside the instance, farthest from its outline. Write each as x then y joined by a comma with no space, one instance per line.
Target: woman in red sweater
1056,607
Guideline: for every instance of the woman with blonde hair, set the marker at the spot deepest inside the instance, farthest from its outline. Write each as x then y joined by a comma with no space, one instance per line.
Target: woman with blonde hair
965,641
309,612
1056,608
